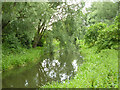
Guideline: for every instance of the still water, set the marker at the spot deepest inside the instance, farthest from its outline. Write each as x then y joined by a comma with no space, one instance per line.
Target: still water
56,67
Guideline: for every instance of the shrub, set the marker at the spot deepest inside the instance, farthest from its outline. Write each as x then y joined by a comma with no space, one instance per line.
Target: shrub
92,33
102,36
108,37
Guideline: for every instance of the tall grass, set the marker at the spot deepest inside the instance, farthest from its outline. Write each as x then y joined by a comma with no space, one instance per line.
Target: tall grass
20,59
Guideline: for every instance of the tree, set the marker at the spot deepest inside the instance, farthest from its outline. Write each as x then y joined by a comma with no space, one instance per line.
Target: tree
102,12
16,24
64,30
20,21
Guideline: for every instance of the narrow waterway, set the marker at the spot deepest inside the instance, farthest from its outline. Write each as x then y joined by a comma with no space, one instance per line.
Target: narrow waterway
52,67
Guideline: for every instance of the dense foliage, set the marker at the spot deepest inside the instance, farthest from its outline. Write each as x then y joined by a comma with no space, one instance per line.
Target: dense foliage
103,36
30,29
102,12
93,32
19,29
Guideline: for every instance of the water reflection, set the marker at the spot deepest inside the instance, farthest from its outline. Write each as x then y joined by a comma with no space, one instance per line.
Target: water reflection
53,68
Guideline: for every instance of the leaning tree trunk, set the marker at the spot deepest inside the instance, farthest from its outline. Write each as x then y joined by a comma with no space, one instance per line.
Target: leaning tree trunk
38,36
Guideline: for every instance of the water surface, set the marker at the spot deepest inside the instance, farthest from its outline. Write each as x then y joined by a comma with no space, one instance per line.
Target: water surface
52,67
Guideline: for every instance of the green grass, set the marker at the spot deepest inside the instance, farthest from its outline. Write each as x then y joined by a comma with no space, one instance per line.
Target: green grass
24,57
99,70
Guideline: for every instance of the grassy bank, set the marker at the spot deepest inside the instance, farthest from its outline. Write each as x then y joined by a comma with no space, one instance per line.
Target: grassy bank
99,70
22,58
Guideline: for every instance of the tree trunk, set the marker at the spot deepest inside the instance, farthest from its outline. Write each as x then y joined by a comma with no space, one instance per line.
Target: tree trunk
39,34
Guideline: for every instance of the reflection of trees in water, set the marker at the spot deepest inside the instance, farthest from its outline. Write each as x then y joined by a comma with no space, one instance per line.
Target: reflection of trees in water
56,66
53,68
57,70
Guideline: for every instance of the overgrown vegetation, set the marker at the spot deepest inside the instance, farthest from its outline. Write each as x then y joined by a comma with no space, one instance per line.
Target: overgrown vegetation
100,50
103,36
98,71
22,58
33,29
